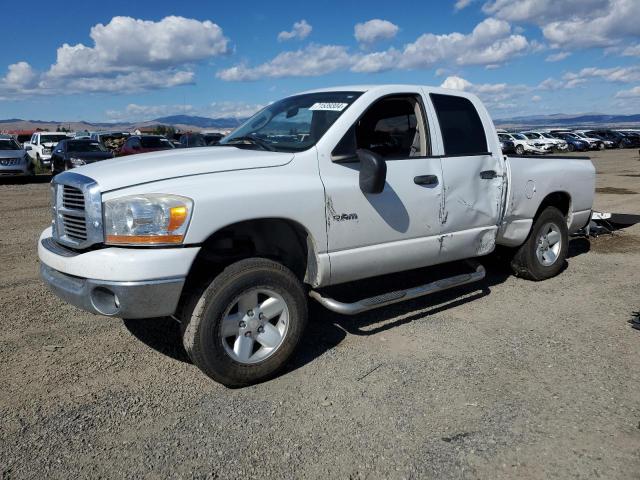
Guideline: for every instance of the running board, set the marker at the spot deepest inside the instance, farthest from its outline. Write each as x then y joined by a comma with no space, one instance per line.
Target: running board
399,295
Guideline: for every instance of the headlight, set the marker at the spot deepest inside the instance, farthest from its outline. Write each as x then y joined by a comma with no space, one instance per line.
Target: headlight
153,219
77,162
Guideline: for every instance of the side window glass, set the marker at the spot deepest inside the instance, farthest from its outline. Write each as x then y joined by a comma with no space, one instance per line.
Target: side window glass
393,127
460,124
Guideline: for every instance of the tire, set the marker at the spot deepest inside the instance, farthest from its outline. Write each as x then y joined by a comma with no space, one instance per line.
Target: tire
600,146
229,360
519,149
571,147
531,261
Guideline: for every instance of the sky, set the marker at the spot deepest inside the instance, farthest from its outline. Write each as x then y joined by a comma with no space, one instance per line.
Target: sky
134,61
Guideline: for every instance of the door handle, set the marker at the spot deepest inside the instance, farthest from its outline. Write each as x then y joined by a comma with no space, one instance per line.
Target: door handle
488,174
426,180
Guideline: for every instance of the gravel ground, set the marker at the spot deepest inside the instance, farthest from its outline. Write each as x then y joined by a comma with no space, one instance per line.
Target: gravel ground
504,379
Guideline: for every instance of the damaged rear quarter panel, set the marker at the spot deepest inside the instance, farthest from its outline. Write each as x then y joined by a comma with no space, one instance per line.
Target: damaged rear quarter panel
533,179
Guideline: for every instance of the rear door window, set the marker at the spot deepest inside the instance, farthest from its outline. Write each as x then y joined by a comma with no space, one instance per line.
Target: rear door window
460,124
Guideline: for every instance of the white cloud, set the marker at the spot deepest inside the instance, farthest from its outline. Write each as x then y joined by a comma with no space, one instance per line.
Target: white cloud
126,44
632,51
632,93
300,30
573,24
460,4
233,109
536,98
19,76
496,96
310,61
490,43
556,57
127,55
615,74
374,31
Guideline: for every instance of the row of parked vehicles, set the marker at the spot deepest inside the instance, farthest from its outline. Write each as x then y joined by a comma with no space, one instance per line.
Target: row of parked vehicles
59,151
556,140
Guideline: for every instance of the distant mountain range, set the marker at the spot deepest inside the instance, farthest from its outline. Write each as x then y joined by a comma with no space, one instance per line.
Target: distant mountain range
195,123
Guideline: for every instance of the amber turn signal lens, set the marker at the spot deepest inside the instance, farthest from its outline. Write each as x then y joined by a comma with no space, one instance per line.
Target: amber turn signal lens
177,216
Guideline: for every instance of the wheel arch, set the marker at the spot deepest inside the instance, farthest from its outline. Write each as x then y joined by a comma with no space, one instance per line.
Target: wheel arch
559,199
281,239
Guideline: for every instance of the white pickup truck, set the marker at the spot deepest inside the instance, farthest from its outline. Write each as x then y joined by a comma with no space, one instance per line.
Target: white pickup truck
41,145
318,189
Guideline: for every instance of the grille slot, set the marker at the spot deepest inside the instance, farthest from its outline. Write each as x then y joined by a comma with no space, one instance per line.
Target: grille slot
72,198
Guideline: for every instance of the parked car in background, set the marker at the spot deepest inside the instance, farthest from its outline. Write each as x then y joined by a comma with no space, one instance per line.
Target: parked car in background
594,143
145,143
551,143
607,143
42,143
557,144
212,138
74,153
633,139
14,159
112,141
507,146
190,140
575,143
618,139
522,144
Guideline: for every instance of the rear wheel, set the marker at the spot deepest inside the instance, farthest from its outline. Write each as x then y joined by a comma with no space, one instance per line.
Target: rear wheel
544,253
519,149
247,323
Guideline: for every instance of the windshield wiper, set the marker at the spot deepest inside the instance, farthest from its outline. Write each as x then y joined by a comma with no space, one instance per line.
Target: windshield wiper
256,141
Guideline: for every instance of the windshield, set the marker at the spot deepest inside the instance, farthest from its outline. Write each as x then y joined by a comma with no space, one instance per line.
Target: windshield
503,137
155,142
9,144
85,147
292,124
519,136
533,135
548,135
52,138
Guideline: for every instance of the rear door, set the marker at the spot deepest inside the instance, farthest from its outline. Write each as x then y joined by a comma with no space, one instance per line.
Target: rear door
473,176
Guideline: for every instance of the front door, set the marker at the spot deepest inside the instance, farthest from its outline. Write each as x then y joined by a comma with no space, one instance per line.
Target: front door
395,230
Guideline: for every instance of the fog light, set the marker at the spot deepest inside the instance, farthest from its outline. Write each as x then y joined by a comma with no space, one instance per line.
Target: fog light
105,301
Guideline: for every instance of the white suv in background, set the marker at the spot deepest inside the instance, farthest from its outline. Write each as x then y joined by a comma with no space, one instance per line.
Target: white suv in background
547,139
42,144
522,144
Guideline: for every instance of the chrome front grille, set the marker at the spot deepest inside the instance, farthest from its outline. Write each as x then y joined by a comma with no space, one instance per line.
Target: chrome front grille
77,210
72,198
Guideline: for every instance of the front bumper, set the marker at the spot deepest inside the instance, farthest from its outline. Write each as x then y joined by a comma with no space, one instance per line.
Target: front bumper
20,169
147,299
119,282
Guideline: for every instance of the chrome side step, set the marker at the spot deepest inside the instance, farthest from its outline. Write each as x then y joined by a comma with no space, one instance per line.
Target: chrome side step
399,295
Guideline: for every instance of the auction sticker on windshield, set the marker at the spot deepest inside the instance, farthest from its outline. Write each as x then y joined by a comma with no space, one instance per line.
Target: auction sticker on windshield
335,107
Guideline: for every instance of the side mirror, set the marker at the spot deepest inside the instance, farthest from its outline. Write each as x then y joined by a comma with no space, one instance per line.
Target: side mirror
373,171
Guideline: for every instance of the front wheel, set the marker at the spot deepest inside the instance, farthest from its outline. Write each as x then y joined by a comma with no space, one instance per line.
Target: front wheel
544,253
519,149
247,323
571,147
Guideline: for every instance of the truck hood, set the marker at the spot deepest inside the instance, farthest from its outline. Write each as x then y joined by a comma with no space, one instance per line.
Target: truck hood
151,167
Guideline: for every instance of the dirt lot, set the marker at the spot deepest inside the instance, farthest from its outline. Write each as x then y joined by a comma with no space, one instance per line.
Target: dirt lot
501,380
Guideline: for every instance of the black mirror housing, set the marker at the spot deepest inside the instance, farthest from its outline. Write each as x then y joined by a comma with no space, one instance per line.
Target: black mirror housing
373,171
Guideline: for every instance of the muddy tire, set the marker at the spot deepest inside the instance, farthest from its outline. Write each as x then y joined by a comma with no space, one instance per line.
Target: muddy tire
544,253
247,323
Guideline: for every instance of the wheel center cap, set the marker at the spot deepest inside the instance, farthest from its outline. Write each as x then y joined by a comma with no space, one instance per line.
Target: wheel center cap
253,324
